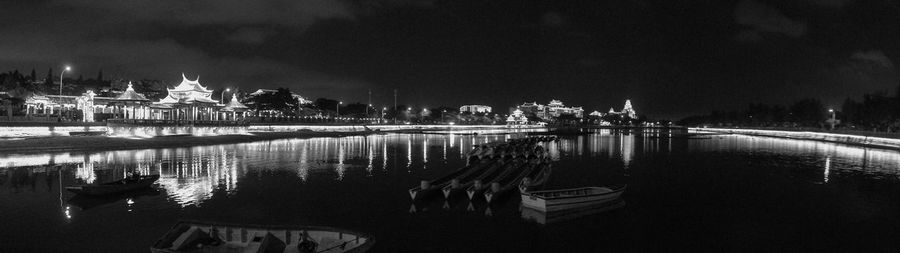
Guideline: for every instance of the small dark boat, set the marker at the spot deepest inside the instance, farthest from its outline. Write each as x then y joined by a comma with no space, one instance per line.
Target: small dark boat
508,172
508,183
198,236
464,181
427,186
536,178
85,202
119,186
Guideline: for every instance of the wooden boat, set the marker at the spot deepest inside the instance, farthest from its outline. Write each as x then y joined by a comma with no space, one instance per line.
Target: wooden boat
464,181
481,184
555,200
536,178
504,185
197,236
428,186
545,218
119,186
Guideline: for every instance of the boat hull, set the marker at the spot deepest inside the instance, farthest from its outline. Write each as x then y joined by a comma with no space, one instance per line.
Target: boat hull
551,204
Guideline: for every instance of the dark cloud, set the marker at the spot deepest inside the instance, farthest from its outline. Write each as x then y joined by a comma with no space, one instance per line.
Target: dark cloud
765,18
671,58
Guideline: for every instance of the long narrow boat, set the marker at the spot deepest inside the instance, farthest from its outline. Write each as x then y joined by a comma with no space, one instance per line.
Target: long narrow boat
119,186
555,200
197,236
428,186
536,178
509,171
467,180
505,185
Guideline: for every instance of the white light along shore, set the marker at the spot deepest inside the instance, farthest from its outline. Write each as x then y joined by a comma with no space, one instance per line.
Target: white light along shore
849,139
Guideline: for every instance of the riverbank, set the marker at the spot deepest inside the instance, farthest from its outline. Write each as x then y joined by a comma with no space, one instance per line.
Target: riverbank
103,142
95,143
848,139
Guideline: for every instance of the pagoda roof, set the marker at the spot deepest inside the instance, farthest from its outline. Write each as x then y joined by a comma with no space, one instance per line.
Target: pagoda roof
131,95
234,104
190,85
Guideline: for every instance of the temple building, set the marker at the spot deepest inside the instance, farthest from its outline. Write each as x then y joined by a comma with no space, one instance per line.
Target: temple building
189,101
517,118
627,110
550,112
475,109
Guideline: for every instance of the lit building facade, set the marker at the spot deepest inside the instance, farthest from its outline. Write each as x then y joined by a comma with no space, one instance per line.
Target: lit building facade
627,110
549,112
475,109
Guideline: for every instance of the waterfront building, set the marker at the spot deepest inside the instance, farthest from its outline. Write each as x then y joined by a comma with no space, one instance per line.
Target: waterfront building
533,109
627,110
298,97
556,109
551,111
517,118
475,109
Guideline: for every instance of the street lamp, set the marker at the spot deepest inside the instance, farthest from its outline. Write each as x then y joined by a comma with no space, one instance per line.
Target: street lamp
338,108
832,118
222,97
60,88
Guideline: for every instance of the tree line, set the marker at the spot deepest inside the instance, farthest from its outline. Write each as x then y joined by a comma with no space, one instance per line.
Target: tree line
876,111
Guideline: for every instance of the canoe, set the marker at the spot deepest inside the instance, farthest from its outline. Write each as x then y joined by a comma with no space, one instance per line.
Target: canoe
198,236
555,200
504,185
119,186
428,186
536,178
467,180
545,218
508,171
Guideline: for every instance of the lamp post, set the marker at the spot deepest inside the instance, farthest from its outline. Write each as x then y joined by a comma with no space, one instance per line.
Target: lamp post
338,107
832,118
222,96
60,88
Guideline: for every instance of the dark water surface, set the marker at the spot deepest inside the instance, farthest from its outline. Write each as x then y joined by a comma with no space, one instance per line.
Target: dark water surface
722,193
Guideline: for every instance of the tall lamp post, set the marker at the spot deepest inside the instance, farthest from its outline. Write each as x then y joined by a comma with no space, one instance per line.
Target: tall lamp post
832,118
338,108
222,97
60,88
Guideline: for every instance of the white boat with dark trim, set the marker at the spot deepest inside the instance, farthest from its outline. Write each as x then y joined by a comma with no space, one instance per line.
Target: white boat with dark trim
554,200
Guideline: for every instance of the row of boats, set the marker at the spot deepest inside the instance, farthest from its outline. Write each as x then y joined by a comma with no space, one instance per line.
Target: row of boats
494,170
498,168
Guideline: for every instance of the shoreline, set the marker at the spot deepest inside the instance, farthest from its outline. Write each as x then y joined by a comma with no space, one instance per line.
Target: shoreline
839,138
105,143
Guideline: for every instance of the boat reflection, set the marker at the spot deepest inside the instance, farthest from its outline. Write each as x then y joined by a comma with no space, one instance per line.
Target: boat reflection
197,236
85,202
546,218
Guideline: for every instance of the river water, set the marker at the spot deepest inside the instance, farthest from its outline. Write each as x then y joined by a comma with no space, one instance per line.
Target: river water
707,193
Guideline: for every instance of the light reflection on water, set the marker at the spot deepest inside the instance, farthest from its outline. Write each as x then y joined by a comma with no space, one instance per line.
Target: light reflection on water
192,177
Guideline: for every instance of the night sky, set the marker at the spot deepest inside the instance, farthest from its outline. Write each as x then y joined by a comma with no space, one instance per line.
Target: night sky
672,58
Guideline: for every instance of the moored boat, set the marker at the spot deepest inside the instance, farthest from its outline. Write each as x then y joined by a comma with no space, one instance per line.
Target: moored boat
536,178
197,236
508,171
428,186
118,186
506,184
464,181
554,200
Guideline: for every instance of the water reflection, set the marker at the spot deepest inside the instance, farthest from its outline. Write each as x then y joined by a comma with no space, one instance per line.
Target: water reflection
189,176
